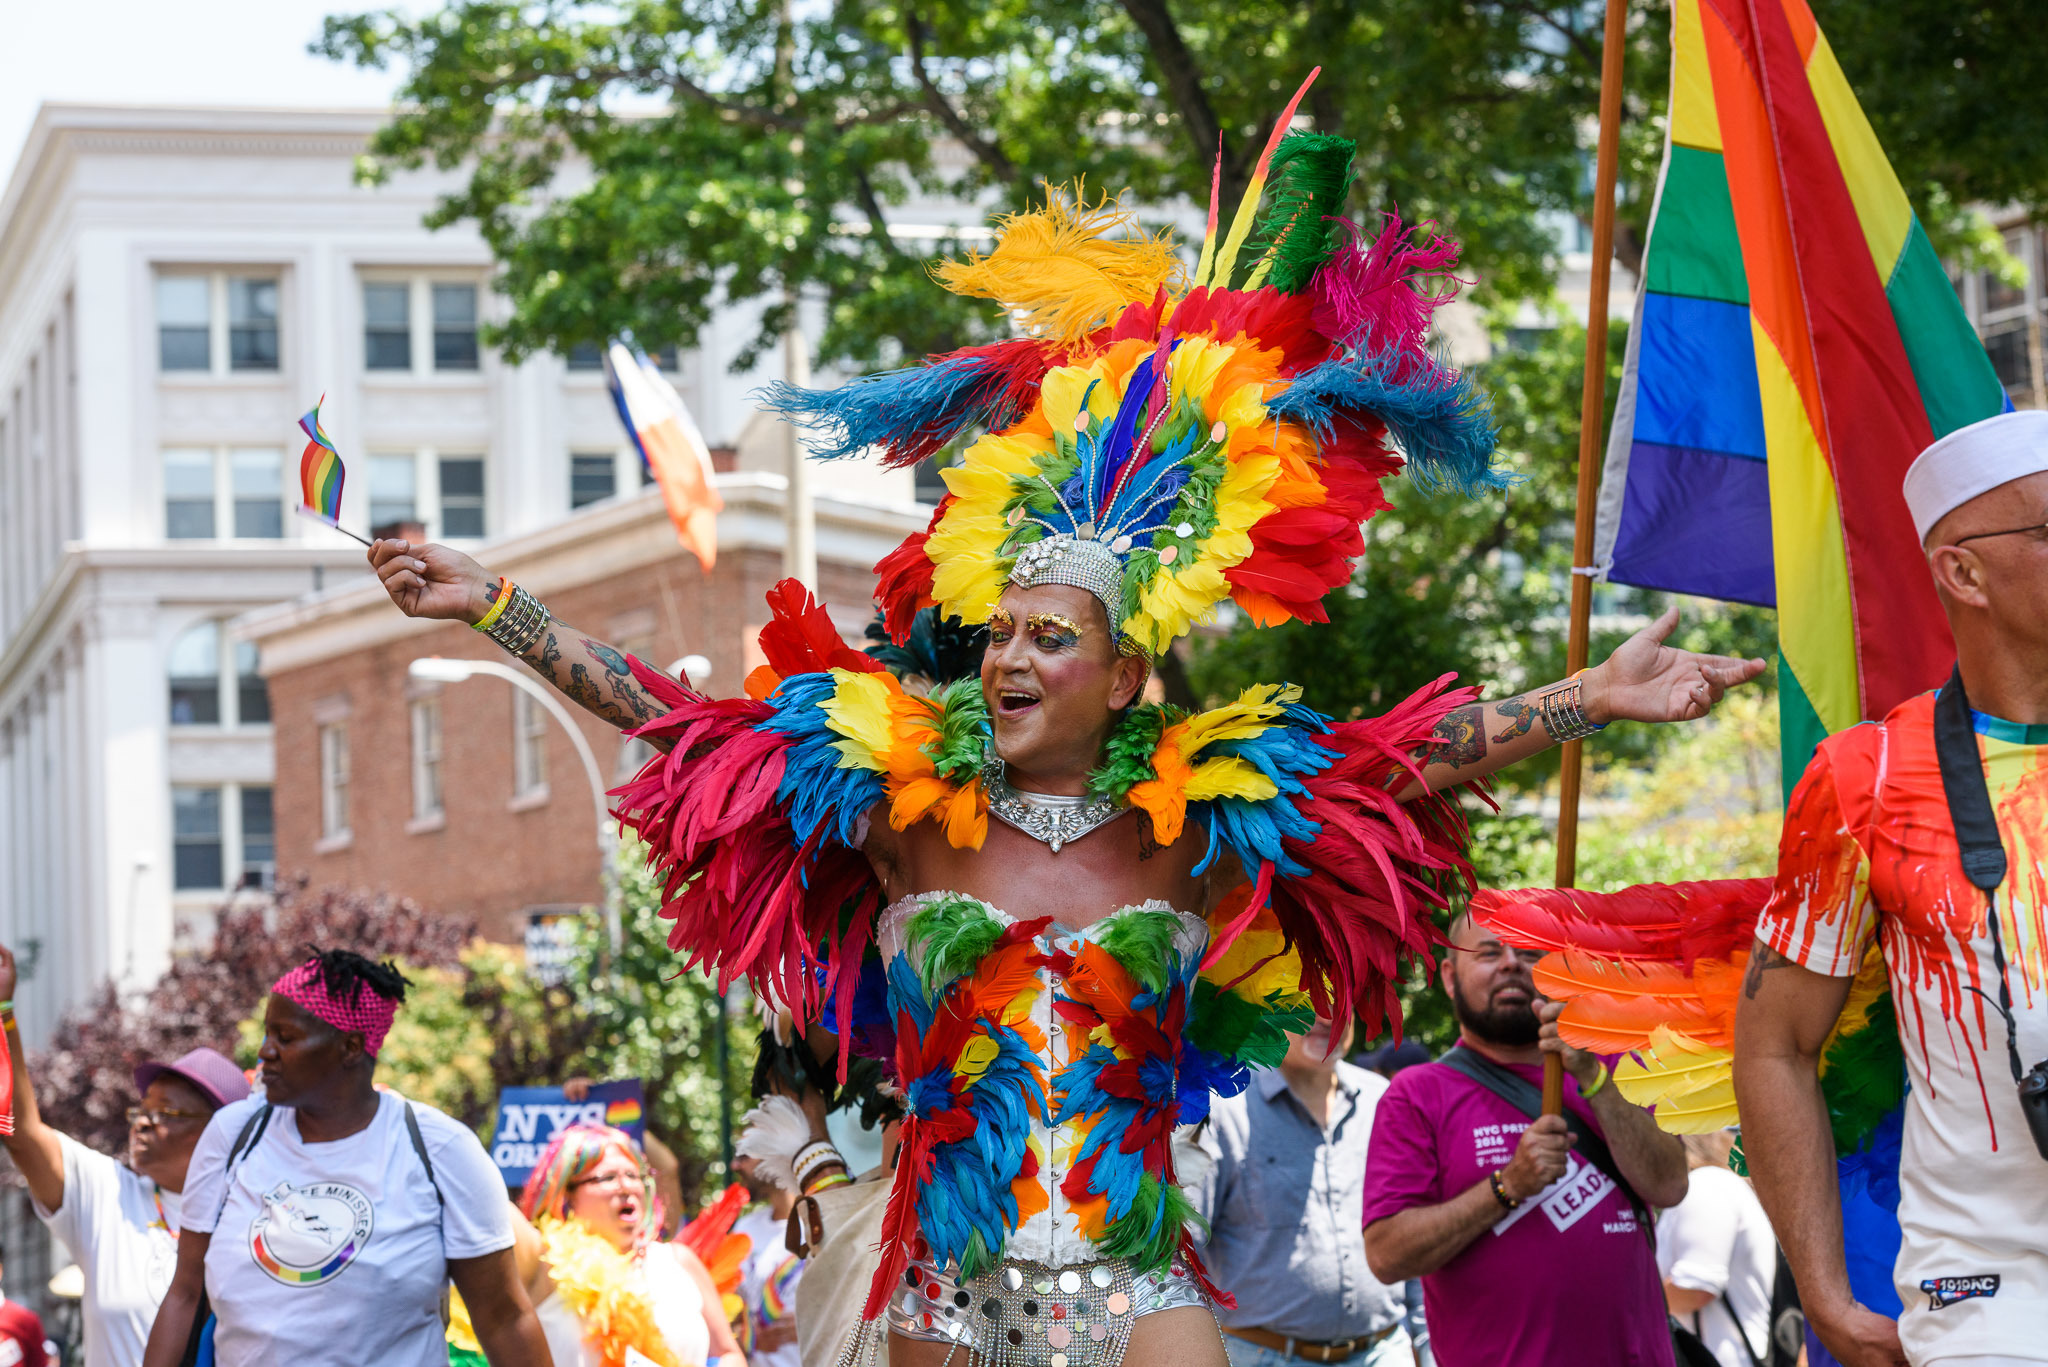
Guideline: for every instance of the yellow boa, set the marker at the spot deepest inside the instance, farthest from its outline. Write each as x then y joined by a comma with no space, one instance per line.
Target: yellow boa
597,1283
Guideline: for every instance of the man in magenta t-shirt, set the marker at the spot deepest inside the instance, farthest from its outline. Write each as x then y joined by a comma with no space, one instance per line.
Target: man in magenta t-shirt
1528,1254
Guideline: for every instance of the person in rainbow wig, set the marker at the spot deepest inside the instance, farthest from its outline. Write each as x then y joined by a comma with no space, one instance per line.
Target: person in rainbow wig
604,1286
1064,917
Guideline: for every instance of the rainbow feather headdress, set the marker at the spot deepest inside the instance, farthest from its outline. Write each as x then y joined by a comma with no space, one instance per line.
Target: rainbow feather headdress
1164,441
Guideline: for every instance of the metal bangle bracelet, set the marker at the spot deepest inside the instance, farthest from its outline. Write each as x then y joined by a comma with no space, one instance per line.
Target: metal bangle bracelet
522,623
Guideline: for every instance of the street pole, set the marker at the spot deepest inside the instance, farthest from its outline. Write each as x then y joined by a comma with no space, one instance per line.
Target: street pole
800,544
1592,404
443,670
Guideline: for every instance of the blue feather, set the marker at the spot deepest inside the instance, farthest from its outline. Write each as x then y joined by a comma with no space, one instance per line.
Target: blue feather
1441,420
814,785
908,408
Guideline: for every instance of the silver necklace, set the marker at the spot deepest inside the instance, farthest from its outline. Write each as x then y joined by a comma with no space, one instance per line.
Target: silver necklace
1054,818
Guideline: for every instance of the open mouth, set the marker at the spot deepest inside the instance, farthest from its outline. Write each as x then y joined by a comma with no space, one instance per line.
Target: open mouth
1011,703
1511,996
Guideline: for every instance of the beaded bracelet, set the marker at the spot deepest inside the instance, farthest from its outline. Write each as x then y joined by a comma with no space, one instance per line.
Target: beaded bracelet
521,620
1500,1191
819,1153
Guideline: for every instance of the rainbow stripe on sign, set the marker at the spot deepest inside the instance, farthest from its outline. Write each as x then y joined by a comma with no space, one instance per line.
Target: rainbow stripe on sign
622,1112
1796,345
320,470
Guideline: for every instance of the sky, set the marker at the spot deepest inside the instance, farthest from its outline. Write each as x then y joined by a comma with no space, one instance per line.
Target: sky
250,52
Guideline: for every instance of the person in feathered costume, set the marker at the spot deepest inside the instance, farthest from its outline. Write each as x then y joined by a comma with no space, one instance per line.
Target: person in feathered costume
1161,896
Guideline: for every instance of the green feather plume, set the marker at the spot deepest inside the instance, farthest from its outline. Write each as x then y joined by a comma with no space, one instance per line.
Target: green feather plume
1253,1033
1863,1076
963,729
1147,1235
1307,185
957,933
1142,941
1127,756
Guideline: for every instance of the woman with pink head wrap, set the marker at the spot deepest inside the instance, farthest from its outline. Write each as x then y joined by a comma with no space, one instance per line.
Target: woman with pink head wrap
343,1212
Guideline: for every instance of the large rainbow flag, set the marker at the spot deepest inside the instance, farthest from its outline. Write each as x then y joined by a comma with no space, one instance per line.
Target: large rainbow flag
1796,344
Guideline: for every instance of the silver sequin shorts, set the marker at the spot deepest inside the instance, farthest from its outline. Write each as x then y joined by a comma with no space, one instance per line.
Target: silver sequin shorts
1023,1314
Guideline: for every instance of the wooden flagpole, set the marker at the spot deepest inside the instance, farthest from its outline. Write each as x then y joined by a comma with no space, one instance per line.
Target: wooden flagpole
1592,403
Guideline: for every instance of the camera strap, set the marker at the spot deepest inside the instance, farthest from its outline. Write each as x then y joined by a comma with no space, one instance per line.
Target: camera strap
1976,828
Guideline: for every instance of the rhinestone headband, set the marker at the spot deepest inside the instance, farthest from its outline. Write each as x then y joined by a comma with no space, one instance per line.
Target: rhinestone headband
1083,564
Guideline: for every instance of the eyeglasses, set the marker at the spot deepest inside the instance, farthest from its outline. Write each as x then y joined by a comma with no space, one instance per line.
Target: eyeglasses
2009,531
139,1115
609,1182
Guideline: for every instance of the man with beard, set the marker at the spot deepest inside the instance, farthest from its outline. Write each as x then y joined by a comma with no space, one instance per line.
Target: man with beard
1510,1219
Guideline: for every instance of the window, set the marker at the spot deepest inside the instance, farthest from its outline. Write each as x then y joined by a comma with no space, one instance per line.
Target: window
929,487
2006,345
334,781
252,324
216,323
426,759
252,690
259,839
258,484
455,327
197,670
462,496
195,679
197,859
529,745
387,326
188,495
592,478
184,322
394,484
208,488
586,356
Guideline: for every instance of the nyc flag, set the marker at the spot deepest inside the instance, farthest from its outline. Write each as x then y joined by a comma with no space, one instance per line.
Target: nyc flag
1796,344
662,430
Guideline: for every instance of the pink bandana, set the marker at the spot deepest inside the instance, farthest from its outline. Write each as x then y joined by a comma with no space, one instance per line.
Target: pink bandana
368,1013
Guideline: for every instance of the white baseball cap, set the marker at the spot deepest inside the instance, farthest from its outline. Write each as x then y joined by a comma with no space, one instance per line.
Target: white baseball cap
1975,460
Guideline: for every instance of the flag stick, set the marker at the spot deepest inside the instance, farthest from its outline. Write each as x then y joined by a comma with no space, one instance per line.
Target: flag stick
1592,403
303,511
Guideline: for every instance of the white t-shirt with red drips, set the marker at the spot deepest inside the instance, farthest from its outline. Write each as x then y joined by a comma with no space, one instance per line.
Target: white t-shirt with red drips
338,1252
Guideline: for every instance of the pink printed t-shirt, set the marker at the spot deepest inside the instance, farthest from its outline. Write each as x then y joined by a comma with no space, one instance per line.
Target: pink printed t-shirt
1565,1280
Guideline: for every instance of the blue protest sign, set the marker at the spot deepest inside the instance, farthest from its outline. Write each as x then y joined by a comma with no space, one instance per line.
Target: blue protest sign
529,1116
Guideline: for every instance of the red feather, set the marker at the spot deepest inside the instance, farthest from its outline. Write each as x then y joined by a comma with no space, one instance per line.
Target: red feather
903,578
1656,922
703,1235
800,637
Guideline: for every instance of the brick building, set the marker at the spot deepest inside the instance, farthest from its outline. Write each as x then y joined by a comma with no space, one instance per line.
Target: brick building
469,797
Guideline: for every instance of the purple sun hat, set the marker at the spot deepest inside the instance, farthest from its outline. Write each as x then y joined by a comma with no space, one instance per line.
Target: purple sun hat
213,1073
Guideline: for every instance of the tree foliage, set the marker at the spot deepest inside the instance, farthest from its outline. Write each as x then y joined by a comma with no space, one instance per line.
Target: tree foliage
85,1079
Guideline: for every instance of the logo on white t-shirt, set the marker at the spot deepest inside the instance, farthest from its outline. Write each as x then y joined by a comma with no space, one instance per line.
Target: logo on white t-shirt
304,1236
1942,1292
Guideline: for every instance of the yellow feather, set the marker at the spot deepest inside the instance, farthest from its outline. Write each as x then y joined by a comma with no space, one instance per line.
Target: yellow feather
1872,981
1692,1085
1229,776
859,711
1057,269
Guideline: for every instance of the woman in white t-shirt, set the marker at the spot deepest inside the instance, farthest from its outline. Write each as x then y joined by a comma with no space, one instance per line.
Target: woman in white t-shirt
1717,1255
323,1222
120,1223
609,1292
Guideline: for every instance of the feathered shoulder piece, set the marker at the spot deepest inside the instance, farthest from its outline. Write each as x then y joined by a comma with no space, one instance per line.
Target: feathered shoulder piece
1654,971
1165,441
753,817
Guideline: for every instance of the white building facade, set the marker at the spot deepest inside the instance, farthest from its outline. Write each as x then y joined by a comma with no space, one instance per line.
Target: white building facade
176,287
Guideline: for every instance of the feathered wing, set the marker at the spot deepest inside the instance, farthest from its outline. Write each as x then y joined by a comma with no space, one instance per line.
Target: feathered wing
752,818
1348,873
1652,972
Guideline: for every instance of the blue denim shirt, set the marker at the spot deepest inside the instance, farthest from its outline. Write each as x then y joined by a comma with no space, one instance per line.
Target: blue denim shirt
1286,1206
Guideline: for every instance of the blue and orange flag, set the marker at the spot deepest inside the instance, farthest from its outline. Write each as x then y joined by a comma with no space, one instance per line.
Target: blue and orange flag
1796,344
320,470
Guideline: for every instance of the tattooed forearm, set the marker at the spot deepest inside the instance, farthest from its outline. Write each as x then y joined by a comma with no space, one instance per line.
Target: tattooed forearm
594,676
1521,716
1761,961
1459,739
618,677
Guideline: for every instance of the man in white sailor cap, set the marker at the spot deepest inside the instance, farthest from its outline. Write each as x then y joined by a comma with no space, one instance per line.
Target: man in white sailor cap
1873,856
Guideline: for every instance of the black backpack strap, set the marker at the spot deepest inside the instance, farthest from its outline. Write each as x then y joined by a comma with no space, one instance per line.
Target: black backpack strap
419,1146
1741,1334
1976,828
246,1139
1527,1098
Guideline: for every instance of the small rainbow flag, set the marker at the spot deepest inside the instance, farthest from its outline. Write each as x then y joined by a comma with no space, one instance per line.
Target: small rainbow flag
622,1111
320,469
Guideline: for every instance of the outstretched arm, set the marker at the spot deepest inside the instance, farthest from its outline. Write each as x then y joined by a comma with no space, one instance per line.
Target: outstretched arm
1645,680
1781,1023
437,582
33,1146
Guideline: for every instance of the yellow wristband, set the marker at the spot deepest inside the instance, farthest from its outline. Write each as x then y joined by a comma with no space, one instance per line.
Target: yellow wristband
497,608
1588,1093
